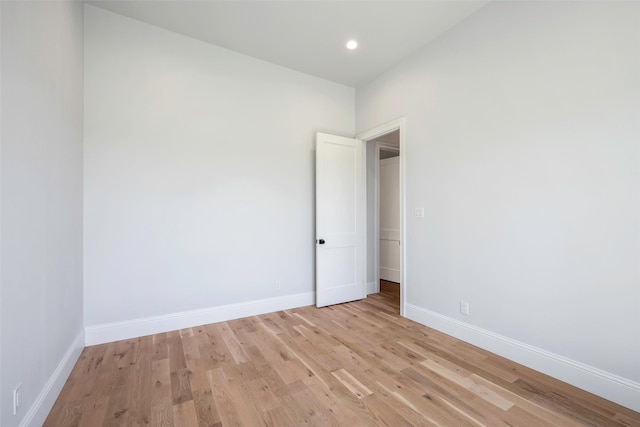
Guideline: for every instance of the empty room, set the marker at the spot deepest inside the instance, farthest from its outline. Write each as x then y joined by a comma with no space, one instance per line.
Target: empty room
287,213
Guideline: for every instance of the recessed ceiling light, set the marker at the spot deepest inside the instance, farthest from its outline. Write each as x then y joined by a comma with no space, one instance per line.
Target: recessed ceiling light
352,44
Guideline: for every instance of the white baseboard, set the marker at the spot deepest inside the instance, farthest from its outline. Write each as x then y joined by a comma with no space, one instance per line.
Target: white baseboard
38,412
604,384
390,274
100,334
373,287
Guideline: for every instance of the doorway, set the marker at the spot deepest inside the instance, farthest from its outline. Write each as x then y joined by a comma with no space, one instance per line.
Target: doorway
385,240
389,213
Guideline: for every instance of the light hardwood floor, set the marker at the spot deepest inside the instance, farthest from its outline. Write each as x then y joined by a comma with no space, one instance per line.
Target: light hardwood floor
356,364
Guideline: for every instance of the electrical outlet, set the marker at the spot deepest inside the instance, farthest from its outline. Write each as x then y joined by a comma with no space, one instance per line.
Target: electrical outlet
17,398
464,308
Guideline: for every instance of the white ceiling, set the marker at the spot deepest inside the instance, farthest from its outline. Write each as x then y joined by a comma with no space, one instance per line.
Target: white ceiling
308,36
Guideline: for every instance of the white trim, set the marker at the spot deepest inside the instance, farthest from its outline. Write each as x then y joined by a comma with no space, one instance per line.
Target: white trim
1,150
376,217
370,135
109,332
363,145
604,384
38,412
388,147
393,274
373,287
388,160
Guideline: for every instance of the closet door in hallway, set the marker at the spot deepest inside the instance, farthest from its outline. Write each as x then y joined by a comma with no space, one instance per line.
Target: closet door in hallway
390,219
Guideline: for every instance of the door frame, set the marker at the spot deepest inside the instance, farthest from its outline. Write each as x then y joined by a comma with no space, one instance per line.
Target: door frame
369,135
380,146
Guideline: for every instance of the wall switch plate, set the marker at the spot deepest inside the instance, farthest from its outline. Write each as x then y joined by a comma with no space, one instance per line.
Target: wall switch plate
17,398
464,308
419,212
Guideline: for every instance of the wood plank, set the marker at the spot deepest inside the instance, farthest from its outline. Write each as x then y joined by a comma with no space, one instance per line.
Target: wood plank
93,415
184,414
358,389
206,409
234,346
161,398
181,386
222,397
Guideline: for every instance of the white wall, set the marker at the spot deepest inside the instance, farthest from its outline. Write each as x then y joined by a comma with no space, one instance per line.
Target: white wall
523,138
41,203
199,176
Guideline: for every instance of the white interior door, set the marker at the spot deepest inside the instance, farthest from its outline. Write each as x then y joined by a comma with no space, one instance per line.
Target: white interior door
390,219
340,220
